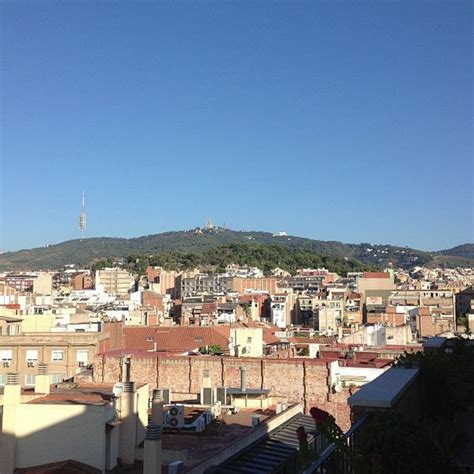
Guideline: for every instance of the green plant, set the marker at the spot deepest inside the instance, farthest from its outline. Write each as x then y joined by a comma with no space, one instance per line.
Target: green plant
212,349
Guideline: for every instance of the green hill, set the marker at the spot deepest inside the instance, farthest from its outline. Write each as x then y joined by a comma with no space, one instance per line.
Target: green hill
264,256
86,251
463,251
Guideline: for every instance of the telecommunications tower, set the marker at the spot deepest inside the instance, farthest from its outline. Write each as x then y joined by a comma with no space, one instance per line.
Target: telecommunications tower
82,217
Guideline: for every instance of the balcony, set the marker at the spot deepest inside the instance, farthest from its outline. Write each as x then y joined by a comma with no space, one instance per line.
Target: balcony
416,417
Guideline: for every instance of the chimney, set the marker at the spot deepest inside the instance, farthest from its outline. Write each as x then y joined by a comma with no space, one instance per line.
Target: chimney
157,403
339,333
42,383
152,450
243,378
11,398
153,445
126,369
128,414
12,390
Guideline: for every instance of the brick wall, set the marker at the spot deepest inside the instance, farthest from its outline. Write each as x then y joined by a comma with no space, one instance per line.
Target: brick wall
301,381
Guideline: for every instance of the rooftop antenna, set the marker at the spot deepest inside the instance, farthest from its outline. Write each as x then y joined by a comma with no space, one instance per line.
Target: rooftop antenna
82,216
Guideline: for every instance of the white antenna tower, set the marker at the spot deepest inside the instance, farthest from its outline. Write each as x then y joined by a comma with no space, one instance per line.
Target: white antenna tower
82,217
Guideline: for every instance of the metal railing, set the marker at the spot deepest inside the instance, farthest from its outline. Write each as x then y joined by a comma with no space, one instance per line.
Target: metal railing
332,461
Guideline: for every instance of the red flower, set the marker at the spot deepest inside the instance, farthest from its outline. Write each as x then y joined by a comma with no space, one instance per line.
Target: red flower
320,416
301,433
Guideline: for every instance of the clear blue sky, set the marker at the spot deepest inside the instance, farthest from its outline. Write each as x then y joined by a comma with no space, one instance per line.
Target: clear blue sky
329,120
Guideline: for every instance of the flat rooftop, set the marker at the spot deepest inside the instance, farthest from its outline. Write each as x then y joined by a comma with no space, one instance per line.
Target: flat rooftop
385,390
85,394
221,433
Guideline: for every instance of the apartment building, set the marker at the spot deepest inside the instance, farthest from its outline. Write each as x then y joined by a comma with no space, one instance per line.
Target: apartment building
249,285
375,284
464,300
43,283
163,282
71,428
204,284
83,281
114,281
20,281
65,353
10,325
283,309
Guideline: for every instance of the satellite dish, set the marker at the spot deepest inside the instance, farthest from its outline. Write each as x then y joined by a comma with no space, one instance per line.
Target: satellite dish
118,389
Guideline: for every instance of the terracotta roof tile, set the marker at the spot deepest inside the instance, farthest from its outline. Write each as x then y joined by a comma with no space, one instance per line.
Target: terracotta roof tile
176,339
376,275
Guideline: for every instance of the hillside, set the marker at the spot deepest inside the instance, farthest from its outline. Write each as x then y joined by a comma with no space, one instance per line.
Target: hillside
263,256
464,251
85,252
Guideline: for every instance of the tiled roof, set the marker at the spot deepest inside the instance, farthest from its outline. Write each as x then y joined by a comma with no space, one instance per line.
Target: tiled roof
376,275
313,340
176,339
353,296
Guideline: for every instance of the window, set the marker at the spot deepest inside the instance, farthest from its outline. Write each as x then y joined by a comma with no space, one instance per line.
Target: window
56,377
12,329
57,355
249,340
82,356
31,355
6,355
30,379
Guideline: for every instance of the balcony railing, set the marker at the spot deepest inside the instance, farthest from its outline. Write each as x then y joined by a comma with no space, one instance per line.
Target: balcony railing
332,461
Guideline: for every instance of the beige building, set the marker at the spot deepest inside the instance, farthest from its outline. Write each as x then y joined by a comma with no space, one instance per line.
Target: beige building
243,285
372,282
246,342
163,281
10,325
43,283
114,281
65,353
84,423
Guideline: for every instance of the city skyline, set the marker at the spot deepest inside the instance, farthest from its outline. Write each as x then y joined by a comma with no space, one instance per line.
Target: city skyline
349,124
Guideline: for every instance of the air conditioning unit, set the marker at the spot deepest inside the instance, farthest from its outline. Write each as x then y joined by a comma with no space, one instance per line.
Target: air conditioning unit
7,363
207,396
279,408
221,395
31,363
176,416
